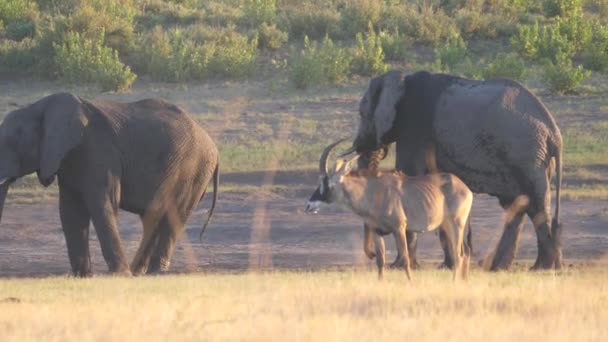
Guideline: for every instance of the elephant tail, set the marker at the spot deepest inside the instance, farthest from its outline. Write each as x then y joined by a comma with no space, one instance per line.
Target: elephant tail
555,226
216,181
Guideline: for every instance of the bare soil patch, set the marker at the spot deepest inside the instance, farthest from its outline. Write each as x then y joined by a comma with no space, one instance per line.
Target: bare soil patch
267,228
270,230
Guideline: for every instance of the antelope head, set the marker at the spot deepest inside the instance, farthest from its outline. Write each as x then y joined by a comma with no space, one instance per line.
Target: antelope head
329,182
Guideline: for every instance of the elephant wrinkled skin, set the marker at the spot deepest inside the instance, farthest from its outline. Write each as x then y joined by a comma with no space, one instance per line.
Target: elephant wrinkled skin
495,135
146,157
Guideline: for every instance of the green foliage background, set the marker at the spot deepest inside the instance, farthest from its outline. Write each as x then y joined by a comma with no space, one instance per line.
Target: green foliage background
111,42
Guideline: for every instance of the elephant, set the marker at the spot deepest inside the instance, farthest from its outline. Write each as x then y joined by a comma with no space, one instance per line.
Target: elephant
495,135
146,157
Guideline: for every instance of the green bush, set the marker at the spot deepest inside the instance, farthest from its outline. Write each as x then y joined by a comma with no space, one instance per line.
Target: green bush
17,56
453,52
335,61
526,42
79,59
18,18
306,67
307,19
313,66
114,17
368,57
257,12
234,56
173,57
357,14
428,25
168,14
561,8
551,42
507,65
270,37
577,30
394,45
562,77
595,56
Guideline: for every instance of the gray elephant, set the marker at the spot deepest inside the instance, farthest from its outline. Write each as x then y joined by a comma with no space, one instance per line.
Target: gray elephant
495,135
146,157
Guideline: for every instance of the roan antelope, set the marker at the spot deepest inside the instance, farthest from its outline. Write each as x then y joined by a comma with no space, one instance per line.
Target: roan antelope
393,202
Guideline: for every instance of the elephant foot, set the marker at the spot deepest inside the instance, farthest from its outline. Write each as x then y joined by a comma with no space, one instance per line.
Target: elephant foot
122,271
158,265
82,273
546,263
370,255
444,266
399,263
502,261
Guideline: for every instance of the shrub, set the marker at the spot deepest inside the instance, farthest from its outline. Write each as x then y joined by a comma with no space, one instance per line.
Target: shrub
19,18
234,56
79,59
526,42
562,77
17,56
394,45
257,12
429,25
335,61
507,65
561,8
309,20
595,56
171,56
576,29
167,14
327,64
306,68
550,42
114,17
357,14
453,52
368,57
270,37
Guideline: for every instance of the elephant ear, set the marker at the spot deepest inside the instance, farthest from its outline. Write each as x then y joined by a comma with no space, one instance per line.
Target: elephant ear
386,106
63,122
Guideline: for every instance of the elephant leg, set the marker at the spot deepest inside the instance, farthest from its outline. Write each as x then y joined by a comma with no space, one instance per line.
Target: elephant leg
75,223
507,246
167,237
549,249
103,209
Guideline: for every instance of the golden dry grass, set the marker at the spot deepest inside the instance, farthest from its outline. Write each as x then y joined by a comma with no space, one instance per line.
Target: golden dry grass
310,306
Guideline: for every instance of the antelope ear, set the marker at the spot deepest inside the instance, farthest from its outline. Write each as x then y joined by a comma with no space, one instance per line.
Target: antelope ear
339,165
391,89
63,123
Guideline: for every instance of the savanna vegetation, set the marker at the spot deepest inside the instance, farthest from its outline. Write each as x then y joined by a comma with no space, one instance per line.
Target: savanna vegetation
560,43
274,81
310,306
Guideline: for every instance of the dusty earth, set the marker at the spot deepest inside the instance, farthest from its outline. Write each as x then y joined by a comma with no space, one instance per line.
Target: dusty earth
270,230
262,229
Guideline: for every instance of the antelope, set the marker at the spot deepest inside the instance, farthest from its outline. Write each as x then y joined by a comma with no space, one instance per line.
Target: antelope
392,202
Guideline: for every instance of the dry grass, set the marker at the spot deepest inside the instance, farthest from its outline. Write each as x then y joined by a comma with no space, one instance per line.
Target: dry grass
310,306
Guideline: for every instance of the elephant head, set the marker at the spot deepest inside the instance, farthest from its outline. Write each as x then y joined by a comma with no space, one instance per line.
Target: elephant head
37,138
377,110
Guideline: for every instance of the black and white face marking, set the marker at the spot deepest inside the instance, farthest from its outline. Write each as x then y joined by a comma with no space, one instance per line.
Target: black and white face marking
320,197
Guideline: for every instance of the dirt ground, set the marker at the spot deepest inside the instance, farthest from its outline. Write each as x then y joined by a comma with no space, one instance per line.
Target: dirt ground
272,231
269,229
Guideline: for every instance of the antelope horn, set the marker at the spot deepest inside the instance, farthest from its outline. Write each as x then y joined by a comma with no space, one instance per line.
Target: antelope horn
324,155
351,150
